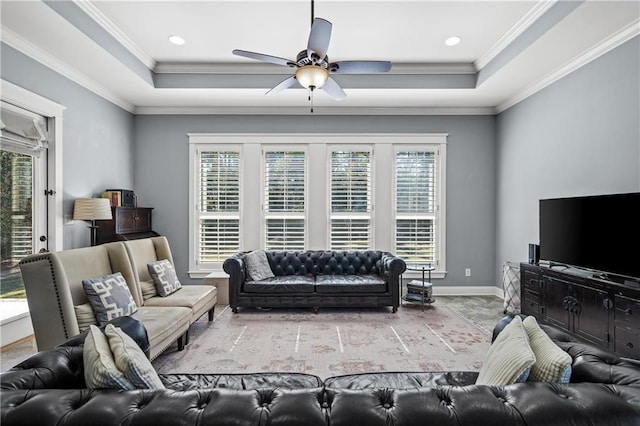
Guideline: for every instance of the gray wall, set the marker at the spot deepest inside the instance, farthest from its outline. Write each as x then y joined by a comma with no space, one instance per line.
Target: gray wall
162,164
579,136
97,136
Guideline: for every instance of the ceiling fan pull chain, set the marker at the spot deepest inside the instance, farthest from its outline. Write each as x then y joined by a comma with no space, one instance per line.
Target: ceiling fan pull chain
311,97
312,14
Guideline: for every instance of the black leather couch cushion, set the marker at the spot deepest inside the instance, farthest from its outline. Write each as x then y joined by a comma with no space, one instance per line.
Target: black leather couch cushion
350,284
184,382
313,262
402,380
282,284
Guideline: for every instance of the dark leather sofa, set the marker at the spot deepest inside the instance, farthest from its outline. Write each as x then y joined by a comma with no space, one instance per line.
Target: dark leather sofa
315,279
49,389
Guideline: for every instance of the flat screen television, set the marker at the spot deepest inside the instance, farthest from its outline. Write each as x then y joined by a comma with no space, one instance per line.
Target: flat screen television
600,233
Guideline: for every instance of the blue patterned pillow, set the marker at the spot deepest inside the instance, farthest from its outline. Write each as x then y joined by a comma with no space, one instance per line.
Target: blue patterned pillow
110,297
164,277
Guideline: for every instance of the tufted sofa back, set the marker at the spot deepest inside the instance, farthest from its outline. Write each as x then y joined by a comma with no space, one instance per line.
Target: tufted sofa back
327,262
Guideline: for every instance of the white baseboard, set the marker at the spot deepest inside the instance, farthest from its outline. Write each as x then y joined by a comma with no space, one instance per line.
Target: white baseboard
468,291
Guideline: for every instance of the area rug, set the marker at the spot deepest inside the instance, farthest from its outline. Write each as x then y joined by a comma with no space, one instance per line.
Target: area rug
332,342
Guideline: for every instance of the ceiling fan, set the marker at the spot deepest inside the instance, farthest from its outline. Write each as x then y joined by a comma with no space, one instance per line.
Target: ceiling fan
312,66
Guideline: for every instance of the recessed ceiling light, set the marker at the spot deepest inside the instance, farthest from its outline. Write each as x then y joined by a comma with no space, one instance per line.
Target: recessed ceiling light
177,40
452,41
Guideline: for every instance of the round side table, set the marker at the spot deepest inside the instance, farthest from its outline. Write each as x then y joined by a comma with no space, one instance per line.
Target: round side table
420,291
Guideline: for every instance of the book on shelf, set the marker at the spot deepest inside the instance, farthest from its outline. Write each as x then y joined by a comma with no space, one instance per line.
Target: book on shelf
114,196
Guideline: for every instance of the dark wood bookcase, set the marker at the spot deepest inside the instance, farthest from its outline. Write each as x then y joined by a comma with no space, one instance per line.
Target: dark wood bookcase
128,223
600,311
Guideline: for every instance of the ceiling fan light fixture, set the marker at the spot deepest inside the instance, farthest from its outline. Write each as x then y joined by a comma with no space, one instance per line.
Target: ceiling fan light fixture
312,76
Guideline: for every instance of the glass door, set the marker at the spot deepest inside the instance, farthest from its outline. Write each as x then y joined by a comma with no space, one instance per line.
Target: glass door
23,201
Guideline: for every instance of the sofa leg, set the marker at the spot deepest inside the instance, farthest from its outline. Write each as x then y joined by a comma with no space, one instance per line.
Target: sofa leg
180,343
234,309
316,310
211,313
395,309
186,337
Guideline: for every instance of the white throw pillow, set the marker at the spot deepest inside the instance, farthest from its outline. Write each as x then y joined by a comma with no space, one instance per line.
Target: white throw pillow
100,370
552,363
258,265
510,357
131,360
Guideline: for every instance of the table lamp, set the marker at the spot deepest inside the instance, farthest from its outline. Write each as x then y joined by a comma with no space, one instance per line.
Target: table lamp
92,209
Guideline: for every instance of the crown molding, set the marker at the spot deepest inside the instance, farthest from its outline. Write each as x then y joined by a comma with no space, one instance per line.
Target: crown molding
34,52
89,7
264,68
537,11
150,110
618,38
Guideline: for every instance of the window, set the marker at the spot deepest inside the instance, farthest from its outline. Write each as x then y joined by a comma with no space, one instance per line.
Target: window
316,192
218,205
284,200
416,202
350,210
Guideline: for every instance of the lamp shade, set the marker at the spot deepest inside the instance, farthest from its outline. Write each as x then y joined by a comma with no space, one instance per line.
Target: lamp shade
92,209
312,76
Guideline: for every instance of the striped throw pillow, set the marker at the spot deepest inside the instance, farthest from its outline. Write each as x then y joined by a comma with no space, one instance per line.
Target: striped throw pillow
509,358
552,363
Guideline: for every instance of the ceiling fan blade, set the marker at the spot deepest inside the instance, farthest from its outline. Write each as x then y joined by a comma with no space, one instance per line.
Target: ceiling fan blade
334,90
319,38
359,67
284,84
264,58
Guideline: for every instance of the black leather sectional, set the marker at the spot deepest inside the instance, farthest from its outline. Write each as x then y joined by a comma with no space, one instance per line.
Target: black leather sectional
315,279
49,389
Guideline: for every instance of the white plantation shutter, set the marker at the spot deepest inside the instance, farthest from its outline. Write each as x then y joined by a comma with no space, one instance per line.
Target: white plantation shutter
416,206
284,200
219,205
350,208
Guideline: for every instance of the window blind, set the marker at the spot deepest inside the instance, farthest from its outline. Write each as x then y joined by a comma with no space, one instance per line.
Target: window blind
350,200
416,206
219,205
284,200
22,131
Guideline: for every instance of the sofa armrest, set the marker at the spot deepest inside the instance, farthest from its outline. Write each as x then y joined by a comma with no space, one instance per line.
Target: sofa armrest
392,264
235,267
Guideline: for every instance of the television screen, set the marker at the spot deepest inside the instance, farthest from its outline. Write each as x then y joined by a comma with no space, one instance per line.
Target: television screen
596,232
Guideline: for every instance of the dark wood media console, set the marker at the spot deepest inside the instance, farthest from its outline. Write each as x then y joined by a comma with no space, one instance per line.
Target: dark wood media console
595,309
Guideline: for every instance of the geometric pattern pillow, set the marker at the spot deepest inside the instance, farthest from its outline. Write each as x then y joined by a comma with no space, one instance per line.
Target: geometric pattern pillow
258,265
110,297
130,359
164,277
510,357
100,369
552,363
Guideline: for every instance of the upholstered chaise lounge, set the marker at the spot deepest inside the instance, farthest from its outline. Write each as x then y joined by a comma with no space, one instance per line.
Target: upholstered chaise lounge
316,279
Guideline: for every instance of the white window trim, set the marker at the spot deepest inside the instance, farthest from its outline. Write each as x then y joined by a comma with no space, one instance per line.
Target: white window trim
263,164
320,144
440,150
196,269
23,98
361,147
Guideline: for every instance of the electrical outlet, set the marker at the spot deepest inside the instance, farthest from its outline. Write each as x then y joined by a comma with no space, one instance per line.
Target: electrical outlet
467,272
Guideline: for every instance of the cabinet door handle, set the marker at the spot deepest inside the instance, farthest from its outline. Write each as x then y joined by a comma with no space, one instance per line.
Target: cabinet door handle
630,345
